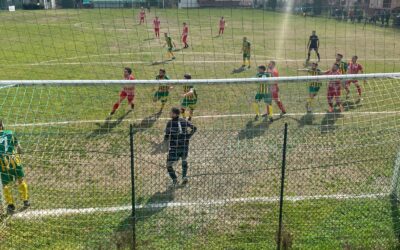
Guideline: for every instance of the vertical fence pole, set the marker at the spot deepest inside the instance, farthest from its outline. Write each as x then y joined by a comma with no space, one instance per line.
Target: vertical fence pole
279,236
133,221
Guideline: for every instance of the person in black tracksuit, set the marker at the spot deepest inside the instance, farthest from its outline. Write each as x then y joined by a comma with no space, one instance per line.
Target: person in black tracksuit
313,44
178,135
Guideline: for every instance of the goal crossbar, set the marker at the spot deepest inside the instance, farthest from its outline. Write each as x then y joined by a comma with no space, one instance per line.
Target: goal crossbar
205,81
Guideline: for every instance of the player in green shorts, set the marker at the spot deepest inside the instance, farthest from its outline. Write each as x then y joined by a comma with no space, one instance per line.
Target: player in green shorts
163,89
246,50
170,46
189,100
313,87
263,94
11,169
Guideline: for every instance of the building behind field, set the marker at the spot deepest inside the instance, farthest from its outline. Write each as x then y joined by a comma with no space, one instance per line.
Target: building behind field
384,4
225,3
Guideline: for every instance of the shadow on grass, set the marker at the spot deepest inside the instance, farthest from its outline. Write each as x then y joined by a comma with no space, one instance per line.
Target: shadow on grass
160,62
254,129
146,122
148,39
123,235
306,119
329,121
108,125
394,202
349,105
239,70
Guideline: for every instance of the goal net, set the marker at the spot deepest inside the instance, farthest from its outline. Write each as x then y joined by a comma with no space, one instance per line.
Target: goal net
77,159
60,87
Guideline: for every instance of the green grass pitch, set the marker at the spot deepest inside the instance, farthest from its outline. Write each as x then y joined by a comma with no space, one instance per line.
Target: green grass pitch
339,166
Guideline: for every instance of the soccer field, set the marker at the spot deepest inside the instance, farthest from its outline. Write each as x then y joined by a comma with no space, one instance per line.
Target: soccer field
340,167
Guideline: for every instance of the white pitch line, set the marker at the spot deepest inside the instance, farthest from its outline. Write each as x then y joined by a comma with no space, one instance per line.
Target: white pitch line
36,214
197,117
202,54
7,86
256,57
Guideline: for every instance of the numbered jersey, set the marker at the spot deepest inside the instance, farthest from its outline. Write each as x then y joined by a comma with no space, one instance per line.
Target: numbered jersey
264,87
246,47
354,68
168,40
188,88
163,87
8,142
343,67
315,72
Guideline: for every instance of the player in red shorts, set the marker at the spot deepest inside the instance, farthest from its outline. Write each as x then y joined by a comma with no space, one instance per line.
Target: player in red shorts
156,24
128,92
142,15
275,88
185,34
334,89
221,26
354,68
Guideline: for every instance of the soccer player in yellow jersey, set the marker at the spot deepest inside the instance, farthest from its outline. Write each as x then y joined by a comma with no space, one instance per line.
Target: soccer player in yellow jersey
342,65
314,86
11,169
189,100
263,94
246,50
163,89
170,46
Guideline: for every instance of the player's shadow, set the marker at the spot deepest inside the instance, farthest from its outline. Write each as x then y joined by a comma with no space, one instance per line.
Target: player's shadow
239,70
307,119
122,237
146,122
160,62
349,105
329,121
395,213
253,129
148,39
108,125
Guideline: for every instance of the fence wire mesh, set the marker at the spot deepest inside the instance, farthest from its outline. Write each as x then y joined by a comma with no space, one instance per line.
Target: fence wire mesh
341,185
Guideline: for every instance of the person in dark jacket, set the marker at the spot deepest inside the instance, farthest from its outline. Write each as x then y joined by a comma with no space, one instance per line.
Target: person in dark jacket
177,134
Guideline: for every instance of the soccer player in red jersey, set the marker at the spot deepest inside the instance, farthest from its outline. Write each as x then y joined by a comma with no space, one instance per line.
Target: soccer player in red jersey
354,68
185,34
128,91
156,24
275,88
221,26
334,89
142,15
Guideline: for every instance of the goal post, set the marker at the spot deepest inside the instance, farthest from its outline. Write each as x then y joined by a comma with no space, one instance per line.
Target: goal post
395,192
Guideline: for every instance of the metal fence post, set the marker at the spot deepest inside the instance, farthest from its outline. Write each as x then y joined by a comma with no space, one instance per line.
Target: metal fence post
279,240
132,155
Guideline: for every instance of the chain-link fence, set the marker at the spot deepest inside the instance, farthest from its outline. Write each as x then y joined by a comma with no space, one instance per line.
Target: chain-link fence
340,189
337,190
